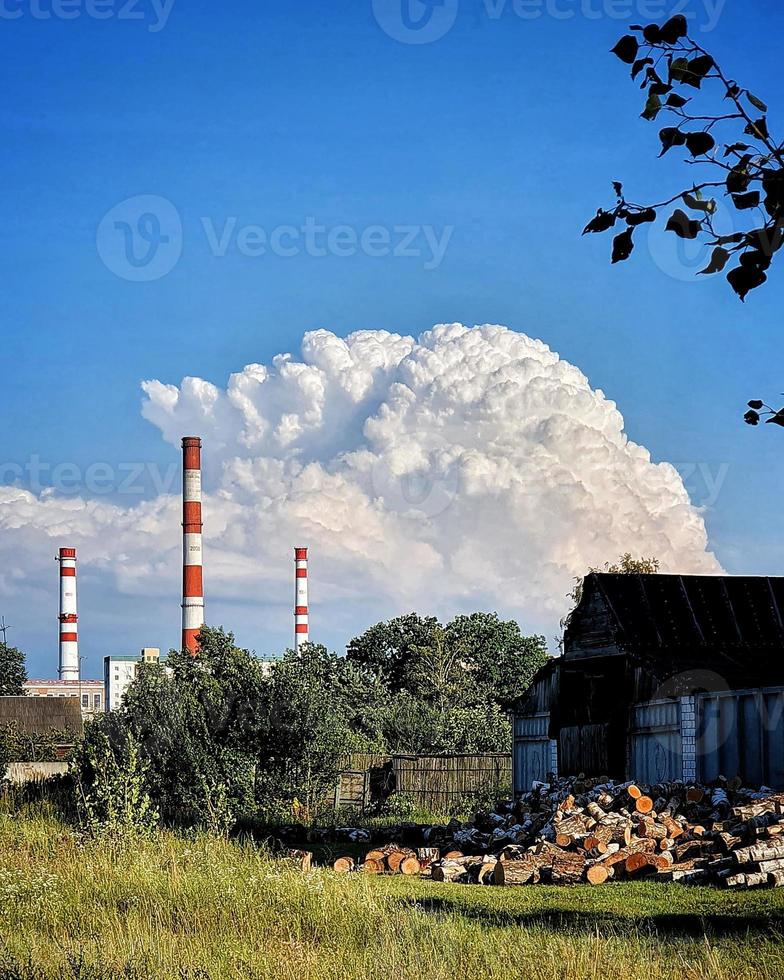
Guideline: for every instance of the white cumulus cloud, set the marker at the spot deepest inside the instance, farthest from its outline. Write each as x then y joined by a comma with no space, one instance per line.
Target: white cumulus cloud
471,468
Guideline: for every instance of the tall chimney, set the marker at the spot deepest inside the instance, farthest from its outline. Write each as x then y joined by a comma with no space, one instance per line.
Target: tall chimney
192,584
301,633
69,643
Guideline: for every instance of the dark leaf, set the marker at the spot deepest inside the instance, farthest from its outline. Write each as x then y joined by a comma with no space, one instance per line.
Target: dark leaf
733,90
618,188
699,143
675,28
767,240
603,221
745,201
626,49
659,88
744,278
757,103
756,403
698,204
640,217
678,68
738,179
676,101
719,259
777,419
652,33
652,107
671,136
638,66
683,226
751,418
773,185
623,246
735,148
695,70
758,129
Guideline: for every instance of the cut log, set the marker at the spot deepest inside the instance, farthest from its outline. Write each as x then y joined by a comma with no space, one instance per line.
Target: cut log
427,855
373,866
596,874
776,879
566,869
303,860
375,855
395,859
451,855
759,852
343,865
751,879
410,865
521,872
644,804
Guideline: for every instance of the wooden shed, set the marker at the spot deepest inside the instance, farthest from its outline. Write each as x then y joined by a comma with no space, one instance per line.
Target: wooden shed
61,717
664,677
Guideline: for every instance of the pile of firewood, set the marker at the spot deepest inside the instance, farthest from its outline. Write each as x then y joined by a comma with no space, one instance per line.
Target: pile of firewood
593,831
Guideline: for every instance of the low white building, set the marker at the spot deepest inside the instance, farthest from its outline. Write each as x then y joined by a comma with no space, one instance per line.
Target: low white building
90,693
120,672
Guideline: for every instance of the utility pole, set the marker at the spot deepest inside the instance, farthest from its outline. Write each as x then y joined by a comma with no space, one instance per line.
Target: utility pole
4,627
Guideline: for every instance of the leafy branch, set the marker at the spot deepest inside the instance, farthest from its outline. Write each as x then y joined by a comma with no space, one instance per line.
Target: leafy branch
752,167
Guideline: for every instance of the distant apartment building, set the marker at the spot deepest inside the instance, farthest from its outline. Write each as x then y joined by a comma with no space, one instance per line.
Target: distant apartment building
120,672
90,693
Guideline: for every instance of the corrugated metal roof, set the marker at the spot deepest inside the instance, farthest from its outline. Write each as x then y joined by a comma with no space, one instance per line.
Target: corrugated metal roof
37,715
707,620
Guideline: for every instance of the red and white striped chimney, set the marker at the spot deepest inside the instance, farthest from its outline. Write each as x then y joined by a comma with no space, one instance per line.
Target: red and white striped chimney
192,584
301,628
69,641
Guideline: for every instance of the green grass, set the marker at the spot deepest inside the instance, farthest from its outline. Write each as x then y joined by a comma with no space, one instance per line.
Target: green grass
204,907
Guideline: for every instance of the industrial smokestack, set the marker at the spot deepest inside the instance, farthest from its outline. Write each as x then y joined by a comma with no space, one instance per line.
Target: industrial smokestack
69,642
301,628
192,584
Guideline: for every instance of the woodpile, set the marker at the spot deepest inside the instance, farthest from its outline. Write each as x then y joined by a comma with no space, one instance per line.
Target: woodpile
597,831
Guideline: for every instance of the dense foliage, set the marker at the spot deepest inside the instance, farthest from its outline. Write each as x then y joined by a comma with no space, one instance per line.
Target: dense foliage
12,671
215,740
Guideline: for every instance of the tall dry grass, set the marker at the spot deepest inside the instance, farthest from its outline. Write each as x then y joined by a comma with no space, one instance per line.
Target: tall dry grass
209,908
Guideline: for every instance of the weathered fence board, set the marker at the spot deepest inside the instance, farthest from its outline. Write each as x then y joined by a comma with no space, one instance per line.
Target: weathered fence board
432,782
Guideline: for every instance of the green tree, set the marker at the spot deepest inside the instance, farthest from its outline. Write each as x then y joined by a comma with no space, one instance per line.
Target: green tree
313,700
500,660
197,724
12,671
112,781
384,651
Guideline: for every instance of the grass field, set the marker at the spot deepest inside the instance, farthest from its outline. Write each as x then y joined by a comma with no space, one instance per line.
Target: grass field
208,908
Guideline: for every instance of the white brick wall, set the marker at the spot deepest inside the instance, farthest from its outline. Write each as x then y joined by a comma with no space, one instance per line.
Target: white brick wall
554,756
689,738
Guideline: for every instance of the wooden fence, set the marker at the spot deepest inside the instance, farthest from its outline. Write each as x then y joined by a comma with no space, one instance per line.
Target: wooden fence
433,782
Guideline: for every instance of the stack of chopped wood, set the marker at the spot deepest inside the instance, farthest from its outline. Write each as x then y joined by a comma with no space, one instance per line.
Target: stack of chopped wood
594,831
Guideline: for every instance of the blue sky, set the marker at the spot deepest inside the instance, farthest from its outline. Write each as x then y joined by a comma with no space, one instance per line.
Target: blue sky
507,129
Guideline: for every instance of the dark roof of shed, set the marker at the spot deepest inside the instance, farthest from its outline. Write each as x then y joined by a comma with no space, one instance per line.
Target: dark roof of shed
678,613
39,715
